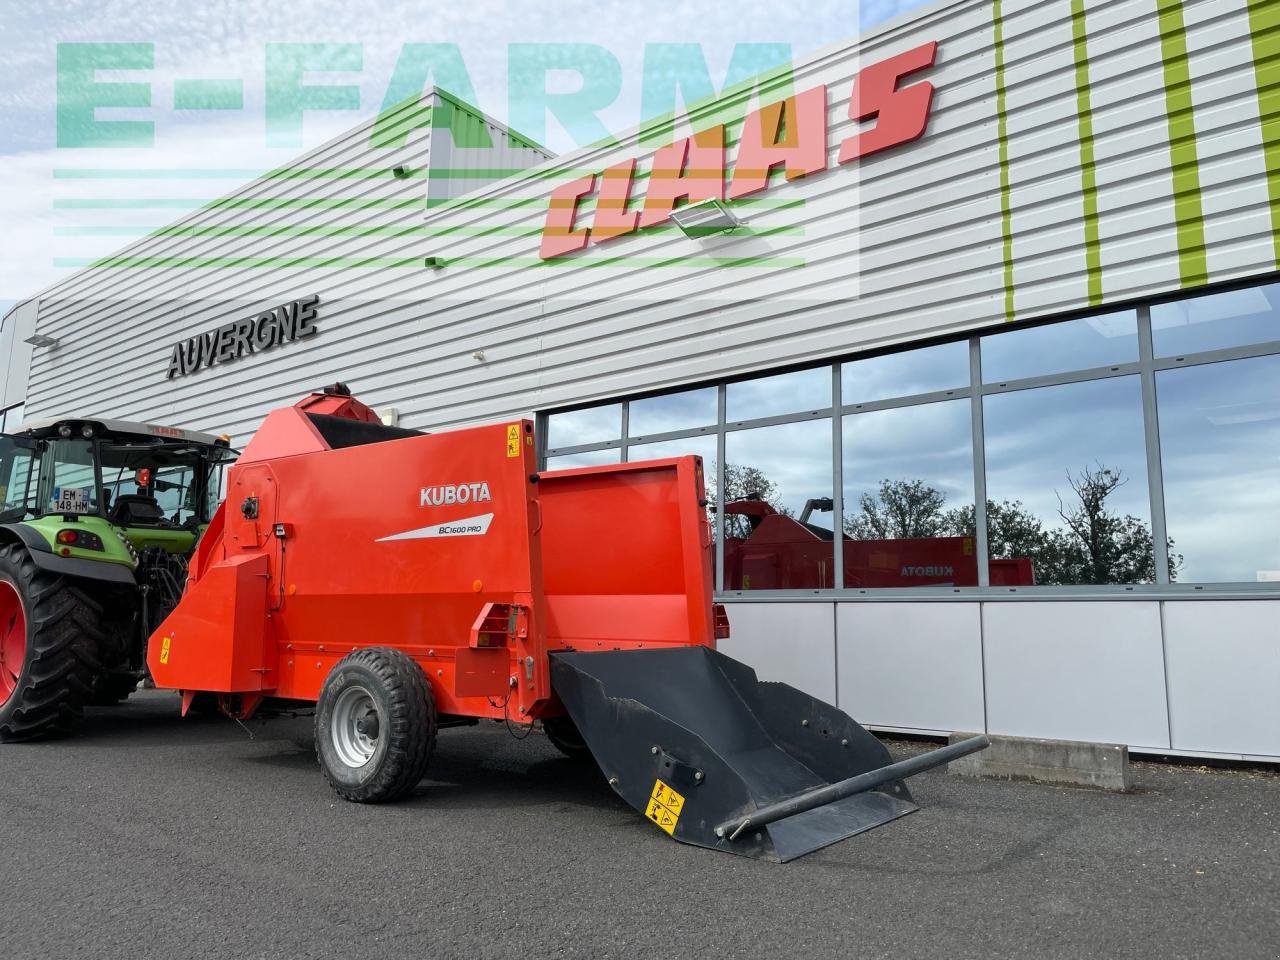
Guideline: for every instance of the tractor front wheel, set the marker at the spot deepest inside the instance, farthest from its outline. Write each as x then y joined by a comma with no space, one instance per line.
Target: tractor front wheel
49,636
375,725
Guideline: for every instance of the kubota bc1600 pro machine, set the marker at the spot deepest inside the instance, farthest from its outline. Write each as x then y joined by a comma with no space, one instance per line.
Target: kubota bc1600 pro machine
405,582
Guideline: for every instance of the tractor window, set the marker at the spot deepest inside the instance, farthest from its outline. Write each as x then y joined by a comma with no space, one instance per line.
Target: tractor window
178,479
17,467
175,491
71,485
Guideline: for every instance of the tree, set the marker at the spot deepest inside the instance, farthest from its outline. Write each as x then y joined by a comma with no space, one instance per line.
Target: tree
1095,545
742,482
1012,529
903,509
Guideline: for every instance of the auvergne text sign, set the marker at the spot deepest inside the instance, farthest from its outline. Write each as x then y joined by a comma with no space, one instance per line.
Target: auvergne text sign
295,320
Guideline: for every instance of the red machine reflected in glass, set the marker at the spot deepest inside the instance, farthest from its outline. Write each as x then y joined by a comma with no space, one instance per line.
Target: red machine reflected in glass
790,553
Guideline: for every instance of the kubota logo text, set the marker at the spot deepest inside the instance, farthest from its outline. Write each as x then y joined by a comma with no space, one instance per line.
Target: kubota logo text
931,571
446,494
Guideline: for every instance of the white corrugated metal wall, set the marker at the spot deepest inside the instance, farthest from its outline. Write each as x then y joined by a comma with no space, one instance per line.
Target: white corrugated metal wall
908,244
1076,153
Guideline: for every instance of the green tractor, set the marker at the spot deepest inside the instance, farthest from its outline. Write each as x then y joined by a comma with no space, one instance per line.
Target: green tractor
98,519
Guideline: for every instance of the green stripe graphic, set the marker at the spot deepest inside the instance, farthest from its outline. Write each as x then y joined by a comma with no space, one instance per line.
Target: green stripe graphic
1264,25
1002,134
1088,170
1187,203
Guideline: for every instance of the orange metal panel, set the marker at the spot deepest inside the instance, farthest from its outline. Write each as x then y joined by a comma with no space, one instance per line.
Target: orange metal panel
219,638
419,543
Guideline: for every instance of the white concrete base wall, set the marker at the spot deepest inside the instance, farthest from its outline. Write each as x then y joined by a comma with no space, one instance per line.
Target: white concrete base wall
794,643
911,665
1224,675
1194,677
1076,671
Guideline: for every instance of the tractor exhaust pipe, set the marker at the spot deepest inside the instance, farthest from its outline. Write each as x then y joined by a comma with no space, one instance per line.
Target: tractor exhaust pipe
847,788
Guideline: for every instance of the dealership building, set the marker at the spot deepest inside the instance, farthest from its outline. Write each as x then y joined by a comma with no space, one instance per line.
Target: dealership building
975,322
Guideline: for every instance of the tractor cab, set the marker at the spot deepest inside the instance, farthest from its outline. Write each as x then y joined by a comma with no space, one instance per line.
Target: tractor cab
99,518
144,486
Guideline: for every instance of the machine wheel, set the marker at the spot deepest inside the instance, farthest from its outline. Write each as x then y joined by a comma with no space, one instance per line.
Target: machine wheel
49,636
375,725
565,737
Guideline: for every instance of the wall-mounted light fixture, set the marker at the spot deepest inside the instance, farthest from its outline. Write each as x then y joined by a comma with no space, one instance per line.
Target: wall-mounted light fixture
40,340
706,219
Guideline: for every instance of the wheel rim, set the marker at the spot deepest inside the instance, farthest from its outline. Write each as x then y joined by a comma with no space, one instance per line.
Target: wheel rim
13,639
355,727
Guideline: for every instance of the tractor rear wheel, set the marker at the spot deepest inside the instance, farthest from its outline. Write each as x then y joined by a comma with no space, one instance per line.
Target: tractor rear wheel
375,725
49,636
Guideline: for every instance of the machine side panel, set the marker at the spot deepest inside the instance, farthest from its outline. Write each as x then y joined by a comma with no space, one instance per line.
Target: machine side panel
401,544
626,554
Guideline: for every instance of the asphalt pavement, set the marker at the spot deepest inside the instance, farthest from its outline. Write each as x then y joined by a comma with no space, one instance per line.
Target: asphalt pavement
156,837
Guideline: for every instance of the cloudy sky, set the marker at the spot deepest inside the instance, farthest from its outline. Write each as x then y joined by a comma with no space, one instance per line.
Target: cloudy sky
49,229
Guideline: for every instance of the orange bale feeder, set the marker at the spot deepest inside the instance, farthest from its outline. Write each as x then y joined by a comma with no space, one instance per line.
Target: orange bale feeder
403,582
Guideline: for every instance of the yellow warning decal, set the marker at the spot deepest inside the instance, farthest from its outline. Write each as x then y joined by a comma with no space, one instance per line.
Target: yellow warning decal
513,440
164,649
664,806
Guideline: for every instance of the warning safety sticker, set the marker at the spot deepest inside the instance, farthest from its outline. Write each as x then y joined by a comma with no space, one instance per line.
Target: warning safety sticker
513,440
664,806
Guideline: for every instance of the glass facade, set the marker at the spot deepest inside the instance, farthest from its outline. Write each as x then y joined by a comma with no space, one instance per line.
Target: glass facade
11,419
1127,451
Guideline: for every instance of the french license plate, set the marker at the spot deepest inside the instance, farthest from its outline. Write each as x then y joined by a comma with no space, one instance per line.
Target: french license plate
70,500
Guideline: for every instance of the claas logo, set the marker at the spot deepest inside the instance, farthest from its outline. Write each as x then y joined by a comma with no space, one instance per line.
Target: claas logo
790,135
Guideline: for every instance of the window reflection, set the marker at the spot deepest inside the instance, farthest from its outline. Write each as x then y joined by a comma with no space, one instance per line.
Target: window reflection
1061,347
577,427
1231,319
1220,453
671,412
704,447
1067,483
777,507
933,369
908,497
592,458
797,392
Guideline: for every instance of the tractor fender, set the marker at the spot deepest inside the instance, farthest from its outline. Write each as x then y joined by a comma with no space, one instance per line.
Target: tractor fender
46,559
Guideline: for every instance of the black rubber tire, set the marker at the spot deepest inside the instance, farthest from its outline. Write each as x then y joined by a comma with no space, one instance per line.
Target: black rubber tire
565,737
64,630
111,689
406,737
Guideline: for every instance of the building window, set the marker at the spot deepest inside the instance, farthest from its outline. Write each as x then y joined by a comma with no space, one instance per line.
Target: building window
11,419
1067,484
777,507
1219,321
1220,454
913,372
590,425
1117,452
585,458
908,497
1057,348
672,412
800,391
